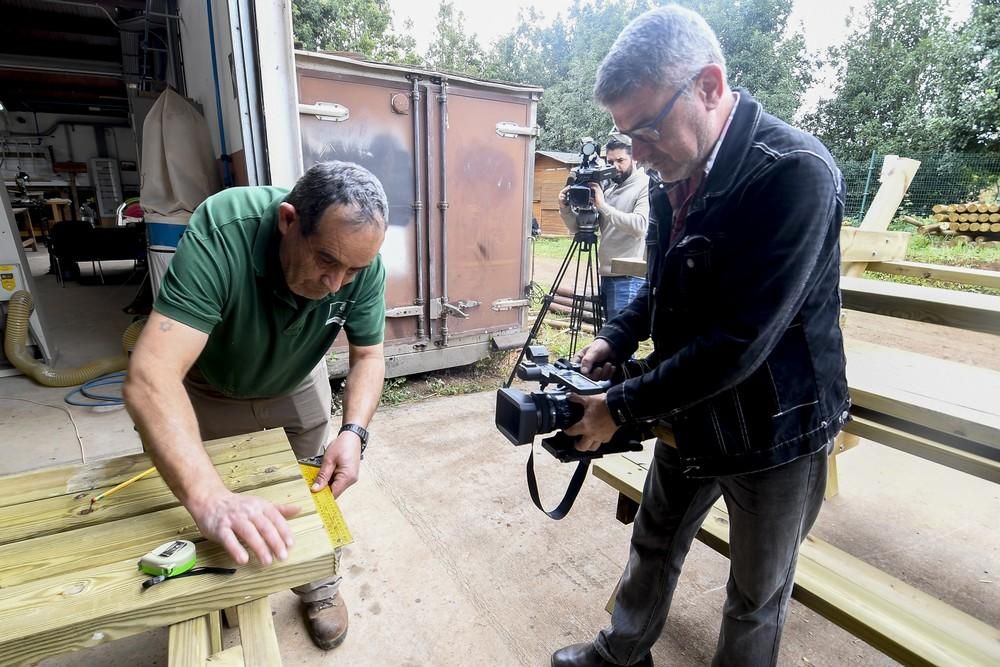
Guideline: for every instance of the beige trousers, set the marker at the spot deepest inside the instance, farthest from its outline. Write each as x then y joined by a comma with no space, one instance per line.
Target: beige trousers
305,416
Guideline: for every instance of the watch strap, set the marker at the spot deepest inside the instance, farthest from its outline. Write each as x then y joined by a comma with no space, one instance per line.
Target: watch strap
358,430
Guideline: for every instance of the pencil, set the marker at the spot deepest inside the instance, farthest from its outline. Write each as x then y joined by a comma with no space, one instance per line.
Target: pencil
122,485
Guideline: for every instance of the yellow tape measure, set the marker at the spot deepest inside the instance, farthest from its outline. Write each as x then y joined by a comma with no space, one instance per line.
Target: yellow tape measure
326,507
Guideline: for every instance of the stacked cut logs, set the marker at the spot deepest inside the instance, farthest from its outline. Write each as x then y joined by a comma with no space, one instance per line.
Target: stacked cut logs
562,303
976,222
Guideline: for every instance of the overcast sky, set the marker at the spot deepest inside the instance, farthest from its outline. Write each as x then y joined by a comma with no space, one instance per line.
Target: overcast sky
822,20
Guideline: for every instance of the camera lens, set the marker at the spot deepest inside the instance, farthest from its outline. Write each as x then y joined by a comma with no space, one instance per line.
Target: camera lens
556,412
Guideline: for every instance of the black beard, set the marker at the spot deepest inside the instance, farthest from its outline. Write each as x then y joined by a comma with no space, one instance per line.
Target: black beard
618,179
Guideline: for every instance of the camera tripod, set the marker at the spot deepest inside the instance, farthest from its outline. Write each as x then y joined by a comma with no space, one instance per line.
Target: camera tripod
586,297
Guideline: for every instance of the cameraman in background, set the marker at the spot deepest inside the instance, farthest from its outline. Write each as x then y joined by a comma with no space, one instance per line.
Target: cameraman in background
623,211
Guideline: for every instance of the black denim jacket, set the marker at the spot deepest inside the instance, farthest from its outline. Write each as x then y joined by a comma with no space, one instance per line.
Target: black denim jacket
743,309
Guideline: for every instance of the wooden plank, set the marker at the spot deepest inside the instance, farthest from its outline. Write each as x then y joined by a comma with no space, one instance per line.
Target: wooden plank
64,613
896,176
622,475
964,310
941,395
899,620
260,644
925,448
214,632
951,274
62,513
862,245
189,644
629,266
105,473
96,545
975,312
841,443
231,618
832,479
231,657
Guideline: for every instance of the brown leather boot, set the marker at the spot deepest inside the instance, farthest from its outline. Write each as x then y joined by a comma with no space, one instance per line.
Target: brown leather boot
326,621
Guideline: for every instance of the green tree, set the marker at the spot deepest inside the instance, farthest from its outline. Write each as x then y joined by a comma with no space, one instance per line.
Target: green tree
531,53
886,75
563,58
452,49
967,110
761,55
576,44
358,26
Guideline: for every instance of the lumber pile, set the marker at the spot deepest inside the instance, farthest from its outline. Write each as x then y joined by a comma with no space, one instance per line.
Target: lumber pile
976,222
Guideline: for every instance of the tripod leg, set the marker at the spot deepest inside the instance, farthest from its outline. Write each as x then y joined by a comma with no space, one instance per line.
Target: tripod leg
544,308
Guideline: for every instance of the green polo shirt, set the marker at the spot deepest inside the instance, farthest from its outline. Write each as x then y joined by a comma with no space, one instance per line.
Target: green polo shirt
226,280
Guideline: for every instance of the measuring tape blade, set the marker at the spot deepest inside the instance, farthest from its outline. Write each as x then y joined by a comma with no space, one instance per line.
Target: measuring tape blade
326,507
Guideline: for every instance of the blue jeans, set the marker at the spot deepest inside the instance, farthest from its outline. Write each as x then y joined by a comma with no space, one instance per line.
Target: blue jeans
770,513
618,292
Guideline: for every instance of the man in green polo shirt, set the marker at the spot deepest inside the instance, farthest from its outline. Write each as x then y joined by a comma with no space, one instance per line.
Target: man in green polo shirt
261,284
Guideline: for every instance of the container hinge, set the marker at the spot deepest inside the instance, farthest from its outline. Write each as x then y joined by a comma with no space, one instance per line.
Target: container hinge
330,111
404,311
511,130
508,304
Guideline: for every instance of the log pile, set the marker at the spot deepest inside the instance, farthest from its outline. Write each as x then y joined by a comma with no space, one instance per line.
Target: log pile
974,222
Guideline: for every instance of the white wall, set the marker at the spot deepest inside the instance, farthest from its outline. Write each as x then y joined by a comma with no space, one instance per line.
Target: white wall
198,68
76,142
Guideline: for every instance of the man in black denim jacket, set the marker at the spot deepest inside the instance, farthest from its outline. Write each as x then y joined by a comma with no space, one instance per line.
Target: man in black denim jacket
742,306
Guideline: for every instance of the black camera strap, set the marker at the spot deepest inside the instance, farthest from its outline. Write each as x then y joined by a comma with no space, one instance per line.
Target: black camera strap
575,484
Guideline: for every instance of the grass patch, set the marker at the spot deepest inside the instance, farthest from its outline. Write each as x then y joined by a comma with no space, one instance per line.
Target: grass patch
484,375
932,250
923,282
552,246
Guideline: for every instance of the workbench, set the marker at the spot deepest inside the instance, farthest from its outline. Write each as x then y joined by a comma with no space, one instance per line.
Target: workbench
69,577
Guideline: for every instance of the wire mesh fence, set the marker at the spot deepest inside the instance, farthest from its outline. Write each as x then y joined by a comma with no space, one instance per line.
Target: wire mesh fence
943,178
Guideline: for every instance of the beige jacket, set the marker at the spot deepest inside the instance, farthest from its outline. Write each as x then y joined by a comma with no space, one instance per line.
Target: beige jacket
622,220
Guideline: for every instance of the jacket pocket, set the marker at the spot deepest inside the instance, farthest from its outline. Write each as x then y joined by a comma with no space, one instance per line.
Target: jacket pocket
792,373
686,280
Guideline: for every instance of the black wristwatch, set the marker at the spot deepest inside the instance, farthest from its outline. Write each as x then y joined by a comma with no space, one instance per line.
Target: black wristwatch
358,430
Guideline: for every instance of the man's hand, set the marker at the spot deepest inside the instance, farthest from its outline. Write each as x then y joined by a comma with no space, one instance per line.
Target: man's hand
596,360
598,195
563,197
236,521
341,464
596,426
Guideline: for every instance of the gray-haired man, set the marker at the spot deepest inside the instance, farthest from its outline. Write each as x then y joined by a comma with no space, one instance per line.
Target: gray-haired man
748,363
262,282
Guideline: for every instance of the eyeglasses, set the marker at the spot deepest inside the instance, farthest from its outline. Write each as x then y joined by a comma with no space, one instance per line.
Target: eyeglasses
650,132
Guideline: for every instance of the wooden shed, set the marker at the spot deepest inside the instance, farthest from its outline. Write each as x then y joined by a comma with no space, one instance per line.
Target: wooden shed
551,171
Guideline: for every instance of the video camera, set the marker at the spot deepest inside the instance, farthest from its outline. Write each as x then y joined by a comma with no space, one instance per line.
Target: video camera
520,416
579,196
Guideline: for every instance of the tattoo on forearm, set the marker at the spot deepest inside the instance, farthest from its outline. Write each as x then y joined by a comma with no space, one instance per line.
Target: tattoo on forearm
166,325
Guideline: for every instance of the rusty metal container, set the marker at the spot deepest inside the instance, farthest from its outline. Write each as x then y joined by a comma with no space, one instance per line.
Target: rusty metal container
455,156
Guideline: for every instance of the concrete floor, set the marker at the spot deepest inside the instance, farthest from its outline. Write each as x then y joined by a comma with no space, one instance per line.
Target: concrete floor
452,565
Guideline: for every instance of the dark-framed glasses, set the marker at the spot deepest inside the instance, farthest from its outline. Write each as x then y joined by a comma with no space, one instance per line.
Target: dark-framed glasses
649,133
